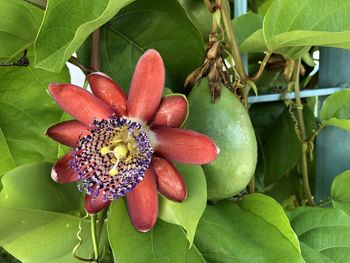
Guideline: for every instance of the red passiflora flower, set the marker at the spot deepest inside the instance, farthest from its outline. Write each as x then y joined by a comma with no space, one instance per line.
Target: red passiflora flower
125,147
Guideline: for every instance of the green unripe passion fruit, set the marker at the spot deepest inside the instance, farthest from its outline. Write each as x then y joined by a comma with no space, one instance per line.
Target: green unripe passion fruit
228,124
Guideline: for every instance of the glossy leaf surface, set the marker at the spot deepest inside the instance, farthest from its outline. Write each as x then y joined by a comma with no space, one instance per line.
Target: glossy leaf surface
164,243
39,218
188,212
69,25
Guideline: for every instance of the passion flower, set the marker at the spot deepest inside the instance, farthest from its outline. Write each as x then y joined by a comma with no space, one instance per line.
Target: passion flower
125,147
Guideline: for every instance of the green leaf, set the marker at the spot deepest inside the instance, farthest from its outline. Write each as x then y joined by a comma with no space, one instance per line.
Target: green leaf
254,43
162,25
263,6
265,115
45,214
200,15
268,209
248,32
298,25
187,213
280,144
164,243
6,161
26,111
285,187
65,27
324,234
281,147
335,110
254,229
340,192
19,25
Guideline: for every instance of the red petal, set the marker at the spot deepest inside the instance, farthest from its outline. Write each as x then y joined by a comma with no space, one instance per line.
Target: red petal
143,203
79,103
67,132
95,205
172,111
108,91
169,181
61,171
185,146
146,86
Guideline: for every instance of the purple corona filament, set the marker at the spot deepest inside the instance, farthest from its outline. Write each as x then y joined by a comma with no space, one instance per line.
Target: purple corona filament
113,158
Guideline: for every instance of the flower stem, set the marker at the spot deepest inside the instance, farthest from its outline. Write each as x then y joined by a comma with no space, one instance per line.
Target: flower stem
301,126
95,50
38,3
101,222
94,237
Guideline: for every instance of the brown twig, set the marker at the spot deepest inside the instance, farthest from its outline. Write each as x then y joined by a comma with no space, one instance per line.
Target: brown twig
38,3
95,50
262,67
77,63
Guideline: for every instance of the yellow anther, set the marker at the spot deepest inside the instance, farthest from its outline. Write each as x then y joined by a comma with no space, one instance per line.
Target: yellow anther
137,133
114,160
113,172
120,151
116,140
104,150
129,147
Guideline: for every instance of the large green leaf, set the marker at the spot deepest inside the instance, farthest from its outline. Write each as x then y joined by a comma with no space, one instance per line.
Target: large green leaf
265,115
164,243
324,234
6,161
335,110
26,111
254,229
299,24
248,32
66,26
200,15
162,25
19,25
340,191
39,218
187,213
280,144
281,148
262,5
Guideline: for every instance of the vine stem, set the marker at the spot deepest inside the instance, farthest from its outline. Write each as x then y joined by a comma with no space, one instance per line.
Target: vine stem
304,143
38,3
209,6
231,39
238,64
94,236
